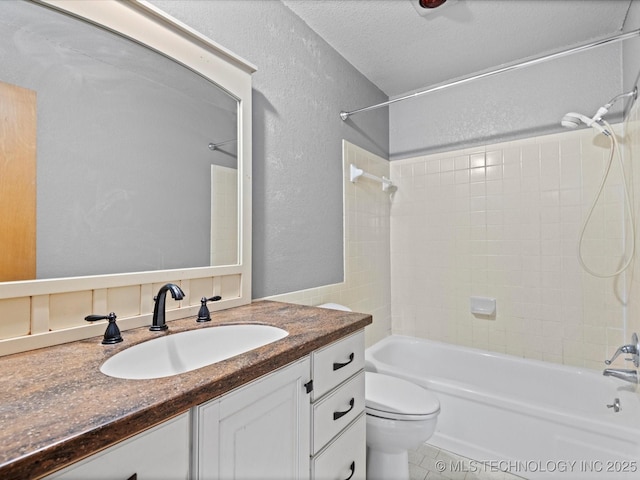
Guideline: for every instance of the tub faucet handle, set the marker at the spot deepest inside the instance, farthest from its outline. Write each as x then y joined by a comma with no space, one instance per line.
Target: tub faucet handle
632,349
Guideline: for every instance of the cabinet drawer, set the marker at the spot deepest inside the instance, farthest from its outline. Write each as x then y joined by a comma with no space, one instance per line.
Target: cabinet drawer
336,362
346,457
337,410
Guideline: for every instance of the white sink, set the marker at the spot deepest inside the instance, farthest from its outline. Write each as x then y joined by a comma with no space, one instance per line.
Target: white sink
186,351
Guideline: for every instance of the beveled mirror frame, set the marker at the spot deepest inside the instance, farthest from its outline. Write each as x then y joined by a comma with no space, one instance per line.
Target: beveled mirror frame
39,313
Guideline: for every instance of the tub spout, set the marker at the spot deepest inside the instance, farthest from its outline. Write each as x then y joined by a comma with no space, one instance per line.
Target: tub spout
622,373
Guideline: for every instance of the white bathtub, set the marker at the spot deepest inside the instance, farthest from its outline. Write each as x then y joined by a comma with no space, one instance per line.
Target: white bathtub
530,418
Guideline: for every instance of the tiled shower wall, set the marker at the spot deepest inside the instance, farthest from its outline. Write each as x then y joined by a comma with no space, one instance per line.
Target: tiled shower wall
632,144
503,221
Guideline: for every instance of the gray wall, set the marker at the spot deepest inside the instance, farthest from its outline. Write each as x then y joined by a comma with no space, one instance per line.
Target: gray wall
298,91
302,84
518,104
631,48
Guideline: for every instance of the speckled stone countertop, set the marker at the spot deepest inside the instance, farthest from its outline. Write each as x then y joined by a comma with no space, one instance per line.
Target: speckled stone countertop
56,407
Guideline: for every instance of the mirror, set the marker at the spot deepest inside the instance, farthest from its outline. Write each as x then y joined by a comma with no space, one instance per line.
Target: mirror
136,154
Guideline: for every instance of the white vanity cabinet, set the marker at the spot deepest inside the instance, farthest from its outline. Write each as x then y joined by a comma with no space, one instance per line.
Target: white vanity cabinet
304,420
273,429
259,431
161,452
338,441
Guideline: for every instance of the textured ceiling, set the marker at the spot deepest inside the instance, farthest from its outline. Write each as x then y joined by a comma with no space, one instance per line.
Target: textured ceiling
401,51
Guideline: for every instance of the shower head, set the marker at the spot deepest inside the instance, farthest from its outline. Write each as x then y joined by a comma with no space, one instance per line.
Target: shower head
573,120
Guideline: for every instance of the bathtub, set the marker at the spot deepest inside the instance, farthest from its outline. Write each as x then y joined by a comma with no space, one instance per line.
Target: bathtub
529,418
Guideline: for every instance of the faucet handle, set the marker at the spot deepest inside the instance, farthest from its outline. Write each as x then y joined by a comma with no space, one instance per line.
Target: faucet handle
633,349
112,333
203,314
623,349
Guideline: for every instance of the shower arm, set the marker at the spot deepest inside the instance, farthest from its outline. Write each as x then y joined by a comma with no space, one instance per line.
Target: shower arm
527,63
605,108
633,93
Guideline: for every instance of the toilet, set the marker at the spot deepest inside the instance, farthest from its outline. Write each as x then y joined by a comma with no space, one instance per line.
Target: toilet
400,415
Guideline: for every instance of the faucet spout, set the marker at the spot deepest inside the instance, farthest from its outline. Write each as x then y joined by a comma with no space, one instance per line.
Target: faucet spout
159,309
622,373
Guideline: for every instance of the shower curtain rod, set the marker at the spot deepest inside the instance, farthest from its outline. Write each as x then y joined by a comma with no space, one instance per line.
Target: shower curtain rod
527,63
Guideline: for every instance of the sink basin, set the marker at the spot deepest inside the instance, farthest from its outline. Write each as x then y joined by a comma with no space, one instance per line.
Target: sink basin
186,351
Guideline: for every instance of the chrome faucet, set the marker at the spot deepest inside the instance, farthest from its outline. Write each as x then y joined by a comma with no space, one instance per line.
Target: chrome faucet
622,374
159,323
625,374
633,349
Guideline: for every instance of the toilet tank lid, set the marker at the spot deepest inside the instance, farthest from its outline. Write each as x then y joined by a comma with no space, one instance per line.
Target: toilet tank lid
335,306
396,395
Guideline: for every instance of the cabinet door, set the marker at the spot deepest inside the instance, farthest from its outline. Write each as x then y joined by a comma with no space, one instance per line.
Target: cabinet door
159,453
17,183
260,431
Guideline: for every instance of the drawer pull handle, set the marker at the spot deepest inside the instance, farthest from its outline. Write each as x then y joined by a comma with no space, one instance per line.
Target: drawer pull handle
353,470
338,366
337,415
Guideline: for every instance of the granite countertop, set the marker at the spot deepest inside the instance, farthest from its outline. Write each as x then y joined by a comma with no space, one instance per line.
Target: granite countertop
56,407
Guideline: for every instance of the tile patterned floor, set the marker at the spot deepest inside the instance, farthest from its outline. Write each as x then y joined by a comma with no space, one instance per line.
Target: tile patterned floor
430,463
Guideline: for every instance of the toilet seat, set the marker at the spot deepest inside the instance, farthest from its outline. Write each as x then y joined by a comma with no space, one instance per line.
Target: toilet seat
398,399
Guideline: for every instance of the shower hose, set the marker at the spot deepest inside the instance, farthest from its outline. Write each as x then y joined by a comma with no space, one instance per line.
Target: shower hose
614,147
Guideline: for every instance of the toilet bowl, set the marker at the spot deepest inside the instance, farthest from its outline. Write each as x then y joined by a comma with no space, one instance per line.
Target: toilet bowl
400,415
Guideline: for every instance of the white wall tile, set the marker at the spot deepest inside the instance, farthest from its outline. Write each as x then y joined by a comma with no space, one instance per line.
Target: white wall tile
512,234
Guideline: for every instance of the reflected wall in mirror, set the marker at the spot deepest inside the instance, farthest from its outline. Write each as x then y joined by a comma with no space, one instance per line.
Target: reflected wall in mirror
127,180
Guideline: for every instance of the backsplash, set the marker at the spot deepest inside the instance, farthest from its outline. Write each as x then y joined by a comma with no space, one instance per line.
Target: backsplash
503,221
